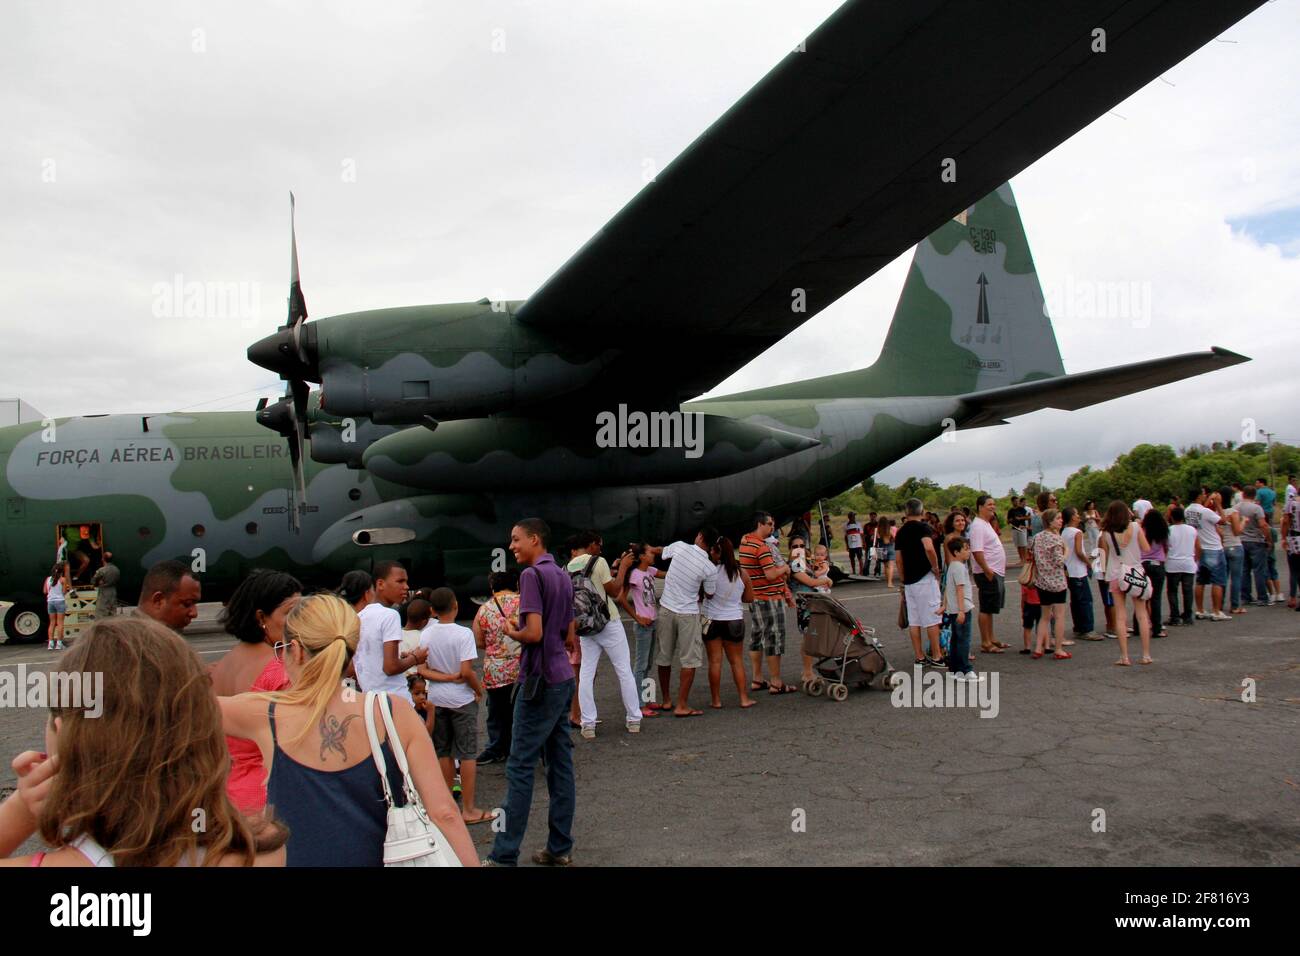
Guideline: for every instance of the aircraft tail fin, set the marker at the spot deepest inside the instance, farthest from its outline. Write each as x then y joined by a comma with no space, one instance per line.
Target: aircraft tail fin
971,314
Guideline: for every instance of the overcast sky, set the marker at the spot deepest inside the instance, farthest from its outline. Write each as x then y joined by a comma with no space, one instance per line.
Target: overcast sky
444,152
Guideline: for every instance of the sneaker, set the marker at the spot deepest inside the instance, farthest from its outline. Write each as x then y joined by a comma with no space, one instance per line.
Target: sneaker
970,677
49,645
486,758
1089,636
932,662
547,858
58,646
588,731
633,727
1112,636
1202,616
1220,616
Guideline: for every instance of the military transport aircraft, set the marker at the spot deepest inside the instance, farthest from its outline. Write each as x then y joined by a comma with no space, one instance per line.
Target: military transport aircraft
435,427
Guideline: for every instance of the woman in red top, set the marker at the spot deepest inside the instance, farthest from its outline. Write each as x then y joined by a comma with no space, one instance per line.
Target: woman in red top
255,615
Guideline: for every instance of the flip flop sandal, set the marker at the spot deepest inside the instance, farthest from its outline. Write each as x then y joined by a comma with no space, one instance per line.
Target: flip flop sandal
1001,645
691,713
1146,660
1027,651
485,818
1063,656
1124,663
758,685
783,689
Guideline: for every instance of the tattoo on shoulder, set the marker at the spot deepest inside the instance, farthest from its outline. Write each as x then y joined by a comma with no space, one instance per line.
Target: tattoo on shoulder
333,733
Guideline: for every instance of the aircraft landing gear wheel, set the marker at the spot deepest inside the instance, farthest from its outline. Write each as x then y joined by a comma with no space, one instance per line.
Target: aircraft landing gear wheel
814,687
838,692
24,623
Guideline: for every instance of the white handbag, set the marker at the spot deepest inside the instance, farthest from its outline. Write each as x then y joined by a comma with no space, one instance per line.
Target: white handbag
413,839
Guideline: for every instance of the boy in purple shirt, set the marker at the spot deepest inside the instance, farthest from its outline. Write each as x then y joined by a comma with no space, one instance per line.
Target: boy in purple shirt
541,703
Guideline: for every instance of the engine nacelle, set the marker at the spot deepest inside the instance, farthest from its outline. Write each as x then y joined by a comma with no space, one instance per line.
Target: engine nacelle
490,454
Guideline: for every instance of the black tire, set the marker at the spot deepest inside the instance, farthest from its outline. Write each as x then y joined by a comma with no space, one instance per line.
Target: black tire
26,624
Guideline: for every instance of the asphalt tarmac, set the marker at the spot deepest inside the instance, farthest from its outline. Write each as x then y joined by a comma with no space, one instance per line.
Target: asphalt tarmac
1085,763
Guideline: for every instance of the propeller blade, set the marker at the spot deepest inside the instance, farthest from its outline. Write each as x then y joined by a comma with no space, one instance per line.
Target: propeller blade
297,304
298,442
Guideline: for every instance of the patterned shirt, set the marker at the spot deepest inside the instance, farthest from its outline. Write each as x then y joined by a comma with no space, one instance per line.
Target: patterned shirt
755,558
500,653
1049,561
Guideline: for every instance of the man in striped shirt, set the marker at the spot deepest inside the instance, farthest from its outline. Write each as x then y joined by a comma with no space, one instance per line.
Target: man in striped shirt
677,627
769,581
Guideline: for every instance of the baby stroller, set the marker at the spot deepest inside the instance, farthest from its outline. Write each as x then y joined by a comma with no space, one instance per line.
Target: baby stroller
843,650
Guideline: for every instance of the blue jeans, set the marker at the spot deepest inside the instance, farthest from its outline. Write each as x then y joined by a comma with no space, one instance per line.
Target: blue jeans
1257,565
1081,604
1236,572
959,648
541,728
645,645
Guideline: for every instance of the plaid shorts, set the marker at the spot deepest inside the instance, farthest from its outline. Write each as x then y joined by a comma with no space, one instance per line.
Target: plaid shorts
767,620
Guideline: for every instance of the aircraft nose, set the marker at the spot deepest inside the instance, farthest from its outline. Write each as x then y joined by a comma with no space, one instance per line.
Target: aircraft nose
279,353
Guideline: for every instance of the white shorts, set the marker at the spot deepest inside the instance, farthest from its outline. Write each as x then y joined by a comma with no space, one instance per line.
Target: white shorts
923,602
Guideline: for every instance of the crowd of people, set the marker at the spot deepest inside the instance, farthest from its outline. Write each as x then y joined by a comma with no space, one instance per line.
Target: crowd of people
266,748
1203,558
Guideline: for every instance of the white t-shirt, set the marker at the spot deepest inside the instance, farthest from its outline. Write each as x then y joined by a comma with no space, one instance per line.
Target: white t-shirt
1075,566
689,569
853,535
1206,523
410,641
984,538
958,574
724,603
379,625
1180,550
449,645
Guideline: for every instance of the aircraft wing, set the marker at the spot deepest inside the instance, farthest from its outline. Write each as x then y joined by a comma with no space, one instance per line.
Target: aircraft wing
1071,392
830,167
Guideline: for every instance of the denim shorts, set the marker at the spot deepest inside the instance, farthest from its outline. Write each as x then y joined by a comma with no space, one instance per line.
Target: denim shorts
57,607
1212,569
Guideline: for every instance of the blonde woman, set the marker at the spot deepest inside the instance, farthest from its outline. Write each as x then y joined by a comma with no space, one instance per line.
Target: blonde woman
127,777
322,779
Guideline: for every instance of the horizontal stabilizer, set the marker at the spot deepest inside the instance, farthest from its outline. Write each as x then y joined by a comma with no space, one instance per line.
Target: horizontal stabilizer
1071,392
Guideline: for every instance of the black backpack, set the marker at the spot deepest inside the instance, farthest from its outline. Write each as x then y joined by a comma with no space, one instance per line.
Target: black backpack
590,607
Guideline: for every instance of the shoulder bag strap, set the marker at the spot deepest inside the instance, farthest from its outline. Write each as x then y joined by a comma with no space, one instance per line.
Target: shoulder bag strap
376,749
399,754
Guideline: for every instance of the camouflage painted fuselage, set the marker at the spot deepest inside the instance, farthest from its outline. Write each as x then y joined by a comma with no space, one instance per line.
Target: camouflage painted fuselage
218,487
